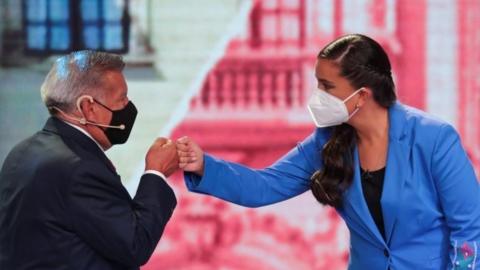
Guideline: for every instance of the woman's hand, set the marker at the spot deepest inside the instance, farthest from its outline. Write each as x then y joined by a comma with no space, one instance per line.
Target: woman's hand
190,156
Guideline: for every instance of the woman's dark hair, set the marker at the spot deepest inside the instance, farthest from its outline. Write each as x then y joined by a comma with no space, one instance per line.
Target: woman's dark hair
364,63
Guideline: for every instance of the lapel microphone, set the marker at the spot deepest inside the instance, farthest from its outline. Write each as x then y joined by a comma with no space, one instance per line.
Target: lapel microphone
83,120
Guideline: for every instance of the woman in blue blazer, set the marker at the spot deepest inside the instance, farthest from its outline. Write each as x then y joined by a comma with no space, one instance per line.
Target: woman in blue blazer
399,178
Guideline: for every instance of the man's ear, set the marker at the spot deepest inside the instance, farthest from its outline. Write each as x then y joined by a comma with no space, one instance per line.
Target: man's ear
85,107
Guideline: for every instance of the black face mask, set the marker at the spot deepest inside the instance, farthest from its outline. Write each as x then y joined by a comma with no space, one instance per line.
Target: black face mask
121,124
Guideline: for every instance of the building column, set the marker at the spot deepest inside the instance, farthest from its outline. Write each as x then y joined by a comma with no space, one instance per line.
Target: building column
441,59
468,67
410,81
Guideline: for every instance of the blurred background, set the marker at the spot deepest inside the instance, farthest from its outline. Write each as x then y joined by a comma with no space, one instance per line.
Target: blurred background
234,75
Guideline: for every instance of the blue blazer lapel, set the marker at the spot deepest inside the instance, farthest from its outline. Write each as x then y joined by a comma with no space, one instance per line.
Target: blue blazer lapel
397,171
356,202
398,168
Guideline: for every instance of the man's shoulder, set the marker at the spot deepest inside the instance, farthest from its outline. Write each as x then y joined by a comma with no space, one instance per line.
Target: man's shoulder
43,149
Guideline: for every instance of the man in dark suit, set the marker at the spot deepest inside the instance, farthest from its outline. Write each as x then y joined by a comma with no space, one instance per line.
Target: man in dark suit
62,205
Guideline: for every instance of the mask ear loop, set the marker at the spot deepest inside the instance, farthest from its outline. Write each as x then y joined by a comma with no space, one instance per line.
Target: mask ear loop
357,108
353,94
83,120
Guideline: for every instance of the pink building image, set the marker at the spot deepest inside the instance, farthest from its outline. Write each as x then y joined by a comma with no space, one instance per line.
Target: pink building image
235,76
251,108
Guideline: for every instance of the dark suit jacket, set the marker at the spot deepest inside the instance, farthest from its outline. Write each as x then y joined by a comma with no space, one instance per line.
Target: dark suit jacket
62,206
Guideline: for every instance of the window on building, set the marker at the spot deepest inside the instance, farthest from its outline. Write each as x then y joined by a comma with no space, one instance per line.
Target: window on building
60,26
276,23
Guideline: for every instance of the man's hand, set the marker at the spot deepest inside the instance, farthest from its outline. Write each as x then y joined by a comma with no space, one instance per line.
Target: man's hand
190,155
162,156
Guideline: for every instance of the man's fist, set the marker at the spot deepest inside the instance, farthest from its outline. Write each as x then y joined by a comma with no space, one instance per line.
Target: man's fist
162,156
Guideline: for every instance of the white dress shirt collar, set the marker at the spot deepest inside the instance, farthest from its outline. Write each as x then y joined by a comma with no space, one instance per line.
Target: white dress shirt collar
86,134
90,136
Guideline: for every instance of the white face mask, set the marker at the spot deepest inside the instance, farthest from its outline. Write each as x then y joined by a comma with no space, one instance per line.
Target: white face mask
327,110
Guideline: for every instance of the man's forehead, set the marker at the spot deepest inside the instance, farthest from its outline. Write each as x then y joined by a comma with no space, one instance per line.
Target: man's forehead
117,83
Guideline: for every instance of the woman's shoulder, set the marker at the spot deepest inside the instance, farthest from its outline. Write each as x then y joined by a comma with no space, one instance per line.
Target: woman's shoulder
320,136
419,119
418,124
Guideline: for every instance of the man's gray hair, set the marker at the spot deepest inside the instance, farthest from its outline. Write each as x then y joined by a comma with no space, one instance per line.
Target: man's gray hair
76,74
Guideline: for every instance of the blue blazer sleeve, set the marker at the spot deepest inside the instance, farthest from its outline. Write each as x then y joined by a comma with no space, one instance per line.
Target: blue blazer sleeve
286,178
459,194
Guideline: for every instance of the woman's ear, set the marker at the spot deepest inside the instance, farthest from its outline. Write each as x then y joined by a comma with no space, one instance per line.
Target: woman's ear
364,95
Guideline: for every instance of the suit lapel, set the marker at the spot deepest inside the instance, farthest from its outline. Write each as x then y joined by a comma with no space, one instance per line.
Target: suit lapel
73,136
396,172
355,199
397,169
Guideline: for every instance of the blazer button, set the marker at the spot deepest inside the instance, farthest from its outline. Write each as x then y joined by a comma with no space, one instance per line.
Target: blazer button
385,252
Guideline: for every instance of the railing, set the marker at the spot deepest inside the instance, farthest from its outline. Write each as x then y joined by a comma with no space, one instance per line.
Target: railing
239,88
